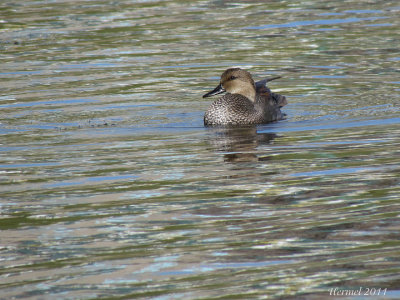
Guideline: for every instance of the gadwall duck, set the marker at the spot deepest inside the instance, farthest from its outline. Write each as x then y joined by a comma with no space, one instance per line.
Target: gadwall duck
245,103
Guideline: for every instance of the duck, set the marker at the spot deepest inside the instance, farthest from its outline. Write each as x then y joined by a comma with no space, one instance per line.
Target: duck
245,103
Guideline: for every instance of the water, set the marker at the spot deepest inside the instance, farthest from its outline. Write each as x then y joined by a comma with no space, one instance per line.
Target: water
111,187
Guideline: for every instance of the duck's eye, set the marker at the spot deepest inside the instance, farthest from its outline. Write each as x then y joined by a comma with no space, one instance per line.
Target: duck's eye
232,77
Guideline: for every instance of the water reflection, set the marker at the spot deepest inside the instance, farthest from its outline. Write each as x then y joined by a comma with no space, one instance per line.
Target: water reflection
238,144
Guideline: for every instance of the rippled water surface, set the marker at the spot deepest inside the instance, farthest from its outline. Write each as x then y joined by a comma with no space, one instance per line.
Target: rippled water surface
111,187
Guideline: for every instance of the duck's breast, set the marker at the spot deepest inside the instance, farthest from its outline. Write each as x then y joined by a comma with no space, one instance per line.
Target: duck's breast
232,109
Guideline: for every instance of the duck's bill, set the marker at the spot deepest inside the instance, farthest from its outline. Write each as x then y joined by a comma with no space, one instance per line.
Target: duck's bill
218,90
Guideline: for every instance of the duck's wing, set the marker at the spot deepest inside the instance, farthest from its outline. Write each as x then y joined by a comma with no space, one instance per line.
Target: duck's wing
279,99
261,88
263,83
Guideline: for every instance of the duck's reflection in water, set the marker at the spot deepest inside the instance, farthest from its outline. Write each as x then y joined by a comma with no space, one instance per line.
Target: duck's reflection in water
239,143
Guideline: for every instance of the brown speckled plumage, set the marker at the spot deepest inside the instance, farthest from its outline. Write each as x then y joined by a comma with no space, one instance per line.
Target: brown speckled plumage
245,103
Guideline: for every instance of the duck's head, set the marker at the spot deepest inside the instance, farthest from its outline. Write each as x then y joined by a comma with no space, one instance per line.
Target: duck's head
235,81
